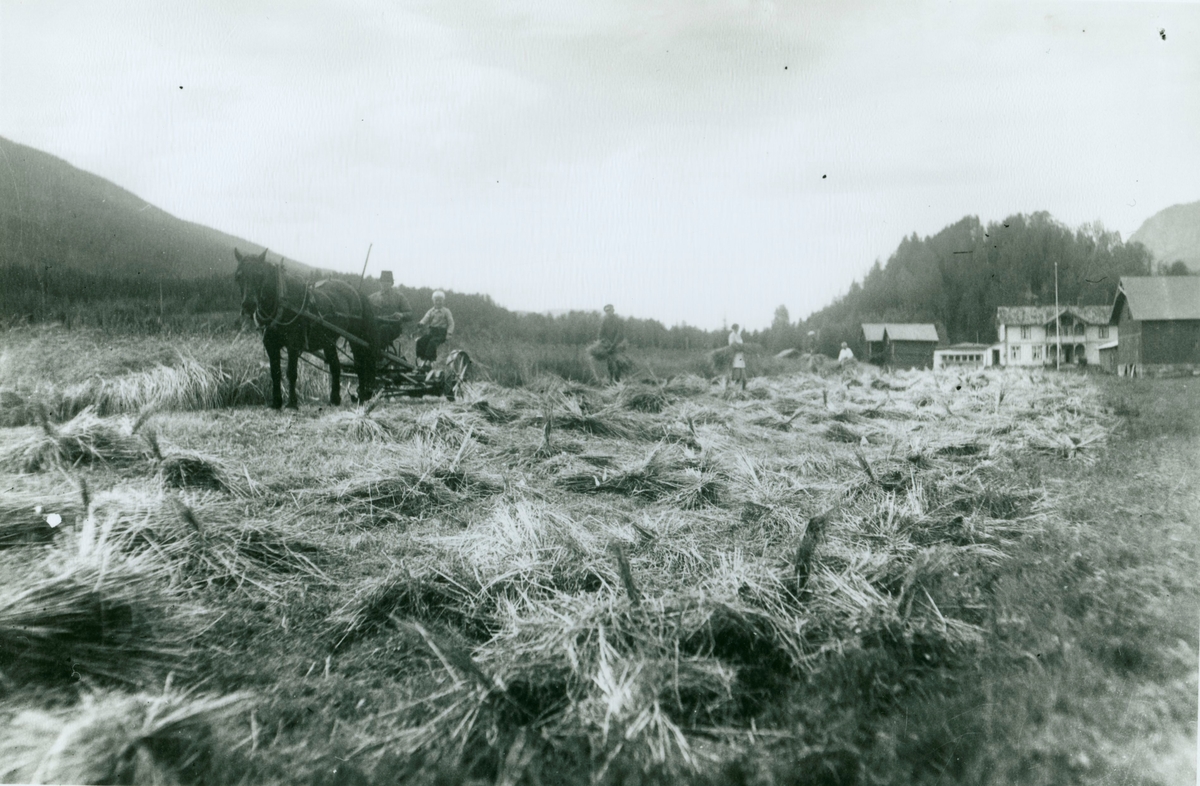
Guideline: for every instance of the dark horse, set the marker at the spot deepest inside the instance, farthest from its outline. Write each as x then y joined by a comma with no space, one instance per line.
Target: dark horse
284,304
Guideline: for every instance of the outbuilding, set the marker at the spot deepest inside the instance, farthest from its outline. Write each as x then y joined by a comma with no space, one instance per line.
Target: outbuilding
1158,319
959,355
900,345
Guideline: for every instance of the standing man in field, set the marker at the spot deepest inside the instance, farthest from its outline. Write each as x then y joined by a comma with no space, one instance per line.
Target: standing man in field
738,372
610,345
391,311
439,327
846,355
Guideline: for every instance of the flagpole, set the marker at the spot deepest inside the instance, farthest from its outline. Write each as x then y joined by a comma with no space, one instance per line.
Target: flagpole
1057,322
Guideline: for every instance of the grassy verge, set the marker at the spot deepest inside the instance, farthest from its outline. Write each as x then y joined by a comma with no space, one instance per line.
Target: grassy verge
1092,658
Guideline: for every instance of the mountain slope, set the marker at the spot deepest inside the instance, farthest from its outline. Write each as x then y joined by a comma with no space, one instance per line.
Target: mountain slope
55,216
1173,234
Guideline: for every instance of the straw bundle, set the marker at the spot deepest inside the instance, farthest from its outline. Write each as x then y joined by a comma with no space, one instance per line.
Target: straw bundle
569,414
606,352
193,470
104,619
434,598
85,439
402,493
173,737
360,426
217,547
665,473
642,397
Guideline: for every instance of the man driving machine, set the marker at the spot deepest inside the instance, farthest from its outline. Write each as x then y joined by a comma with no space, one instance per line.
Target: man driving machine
391,310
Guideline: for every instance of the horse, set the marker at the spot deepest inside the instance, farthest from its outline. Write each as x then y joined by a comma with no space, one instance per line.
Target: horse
284,303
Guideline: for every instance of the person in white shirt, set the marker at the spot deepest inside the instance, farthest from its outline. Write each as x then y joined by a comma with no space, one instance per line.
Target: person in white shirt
439,327
738,373
846,354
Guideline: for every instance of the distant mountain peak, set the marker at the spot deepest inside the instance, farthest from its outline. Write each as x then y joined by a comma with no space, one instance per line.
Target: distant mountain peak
1173,234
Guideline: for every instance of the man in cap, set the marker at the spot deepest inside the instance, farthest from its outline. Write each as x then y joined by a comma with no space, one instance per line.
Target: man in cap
391,310
439,327
610,345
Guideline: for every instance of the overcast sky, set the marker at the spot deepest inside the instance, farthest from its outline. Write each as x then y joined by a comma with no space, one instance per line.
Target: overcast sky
688,161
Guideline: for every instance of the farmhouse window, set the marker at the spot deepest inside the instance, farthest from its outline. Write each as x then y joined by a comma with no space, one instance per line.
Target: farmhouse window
1026,331
1104,331
1014,353
1078,329
1037,352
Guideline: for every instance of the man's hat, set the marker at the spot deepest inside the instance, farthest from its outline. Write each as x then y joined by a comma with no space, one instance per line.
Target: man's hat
439,294
385,275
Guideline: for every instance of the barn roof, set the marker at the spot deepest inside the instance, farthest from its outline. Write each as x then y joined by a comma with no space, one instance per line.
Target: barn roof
898,331
873,331
911,333
1041,315
1159,298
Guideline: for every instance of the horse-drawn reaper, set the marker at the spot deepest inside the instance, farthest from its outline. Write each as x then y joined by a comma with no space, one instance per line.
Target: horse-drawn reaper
334,320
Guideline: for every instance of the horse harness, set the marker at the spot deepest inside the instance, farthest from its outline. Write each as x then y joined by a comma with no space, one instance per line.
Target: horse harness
260,319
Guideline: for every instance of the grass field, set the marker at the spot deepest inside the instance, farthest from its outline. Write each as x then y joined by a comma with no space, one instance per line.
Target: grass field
837,578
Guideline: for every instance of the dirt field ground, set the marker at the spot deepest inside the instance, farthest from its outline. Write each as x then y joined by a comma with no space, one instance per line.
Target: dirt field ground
843,577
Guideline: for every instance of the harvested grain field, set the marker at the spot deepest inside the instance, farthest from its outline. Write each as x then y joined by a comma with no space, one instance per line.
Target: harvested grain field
813,581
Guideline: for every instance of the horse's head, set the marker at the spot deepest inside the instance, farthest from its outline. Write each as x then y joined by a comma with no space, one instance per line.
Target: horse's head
252,272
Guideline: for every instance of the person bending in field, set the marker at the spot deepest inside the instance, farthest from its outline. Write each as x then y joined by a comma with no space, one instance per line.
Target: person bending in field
439,327
392,311
738,372
610,345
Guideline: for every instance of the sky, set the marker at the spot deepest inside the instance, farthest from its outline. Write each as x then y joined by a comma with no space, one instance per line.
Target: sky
702,161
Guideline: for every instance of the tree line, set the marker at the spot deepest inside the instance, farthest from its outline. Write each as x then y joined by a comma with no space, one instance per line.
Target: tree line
75,297
957,278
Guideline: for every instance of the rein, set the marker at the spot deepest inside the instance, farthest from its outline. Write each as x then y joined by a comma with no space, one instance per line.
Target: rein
261,318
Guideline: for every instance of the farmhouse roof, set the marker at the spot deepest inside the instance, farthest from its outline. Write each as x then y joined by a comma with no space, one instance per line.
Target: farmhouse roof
897,331
1159,298
1041,315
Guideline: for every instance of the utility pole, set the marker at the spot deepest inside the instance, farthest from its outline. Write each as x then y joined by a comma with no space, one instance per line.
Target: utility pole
1057,322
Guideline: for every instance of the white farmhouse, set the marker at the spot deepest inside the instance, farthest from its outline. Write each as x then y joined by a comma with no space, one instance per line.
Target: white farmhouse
1029,337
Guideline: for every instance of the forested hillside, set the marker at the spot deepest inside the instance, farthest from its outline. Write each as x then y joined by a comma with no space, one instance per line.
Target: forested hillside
957,277
56,218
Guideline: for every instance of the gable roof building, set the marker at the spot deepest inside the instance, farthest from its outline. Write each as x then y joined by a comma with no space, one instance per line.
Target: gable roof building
1159,321
900,344
1032,335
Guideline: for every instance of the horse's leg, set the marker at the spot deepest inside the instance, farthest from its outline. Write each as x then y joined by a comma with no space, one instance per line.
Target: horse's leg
335,374
273,347
293,364
364,369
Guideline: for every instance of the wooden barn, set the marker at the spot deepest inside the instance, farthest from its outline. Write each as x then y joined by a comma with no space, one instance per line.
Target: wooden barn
1158,319
900,345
